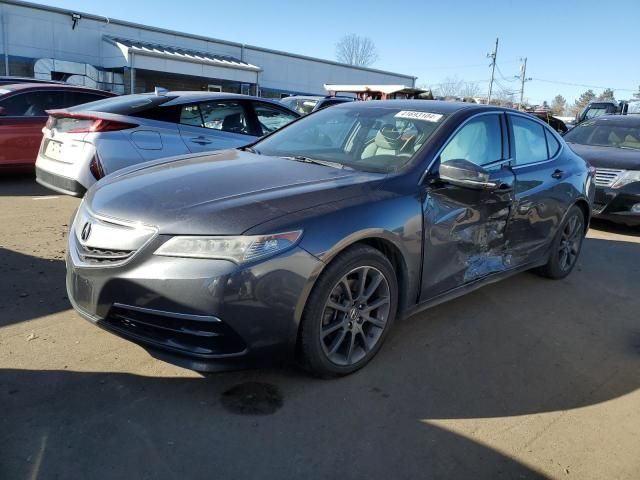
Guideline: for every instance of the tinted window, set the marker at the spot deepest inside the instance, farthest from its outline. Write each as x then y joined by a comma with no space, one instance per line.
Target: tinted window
225,116
552,144
33,104
479,141
162,113
78,98
303,106
125,105
190,115
530,141
272,118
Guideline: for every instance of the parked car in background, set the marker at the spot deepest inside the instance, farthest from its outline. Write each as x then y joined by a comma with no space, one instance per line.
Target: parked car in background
313,240
23,114
611,144
83,144
554,122
304,105
596,109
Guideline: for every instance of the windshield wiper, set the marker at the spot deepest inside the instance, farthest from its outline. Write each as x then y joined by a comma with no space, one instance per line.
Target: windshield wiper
326,163
250,150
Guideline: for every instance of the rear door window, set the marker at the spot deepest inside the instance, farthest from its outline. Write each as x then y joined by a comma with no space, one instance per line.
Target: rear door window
272,118
33,104
553,145
226,116
190,115
79,98
530,141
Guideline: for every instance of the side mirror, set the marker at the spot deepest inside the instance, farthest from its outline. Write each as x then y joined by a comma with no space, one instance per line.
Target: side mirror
3,112
464,173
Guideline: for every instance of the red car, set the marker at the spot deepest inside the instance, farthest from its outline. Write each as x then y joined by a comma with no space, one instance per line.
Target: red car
23,114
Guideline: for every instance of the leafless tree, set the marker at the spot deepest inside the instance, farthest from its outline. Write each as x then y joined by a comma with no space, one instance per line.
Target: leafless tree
449,87
356,50
470,90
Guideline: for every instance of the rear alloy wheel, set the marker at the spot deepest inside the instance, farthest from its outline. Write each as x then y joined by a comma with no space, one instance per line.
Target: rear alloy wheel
349,312
566,246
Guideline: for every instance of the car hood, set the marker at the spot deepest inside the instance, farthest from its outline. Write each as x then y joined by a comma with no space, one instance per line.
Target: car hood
224,193
608,157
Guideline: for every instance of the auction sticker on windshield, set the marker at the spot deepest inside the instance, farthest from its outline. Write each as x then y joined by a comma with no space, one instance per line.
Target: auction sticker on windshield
427,116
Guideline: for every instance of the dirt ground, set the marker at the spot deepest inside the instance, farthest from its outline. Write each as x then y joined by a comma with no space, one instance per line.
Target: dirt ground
528,378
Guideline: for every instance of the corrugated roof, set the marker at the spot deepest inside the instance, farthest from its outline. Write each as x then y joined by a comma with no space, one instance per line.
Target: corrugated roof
186,54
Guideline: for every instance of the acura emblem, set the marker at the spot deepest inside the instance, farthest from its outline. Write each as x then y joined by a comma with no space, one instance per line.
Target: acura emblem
86,231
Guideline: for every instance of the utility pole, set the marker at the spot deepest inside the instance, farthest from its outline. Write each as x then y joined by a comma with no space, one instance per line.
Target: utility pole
523,79
493,57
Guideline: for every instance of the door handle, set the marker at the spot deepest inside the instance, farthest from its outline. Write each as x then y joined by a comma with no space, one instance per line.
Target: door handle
201,140
557,173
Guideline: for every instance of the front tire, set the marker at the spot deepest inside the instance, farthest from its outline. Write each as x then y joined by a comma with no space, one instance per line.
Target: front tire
349,312
566,246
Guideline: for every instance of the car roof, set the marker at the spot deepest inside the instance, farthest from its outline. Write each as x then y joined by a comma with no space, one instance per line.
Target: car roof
182,97
432,106
304,97
632,120
8,79
15,87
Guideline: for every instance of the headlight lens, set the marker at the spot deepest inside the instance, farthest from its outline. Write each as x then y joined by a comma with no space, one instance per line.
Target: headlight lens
236,249
626,178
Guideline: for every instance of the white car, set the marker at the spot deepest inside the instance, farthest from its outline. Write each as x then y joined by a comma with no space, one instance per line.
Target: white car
84,143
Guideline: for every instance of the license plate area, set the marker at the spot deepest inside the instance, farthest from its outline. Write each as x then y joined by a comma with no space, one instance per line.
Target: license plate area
53,150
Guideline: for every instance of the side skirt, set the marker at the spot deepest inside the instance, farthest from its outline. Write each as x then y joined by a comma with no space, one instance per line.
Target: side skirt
470,287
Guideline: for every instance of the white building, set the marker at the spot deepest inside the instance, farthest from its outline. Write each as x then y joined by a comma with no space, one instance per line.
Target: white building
93,50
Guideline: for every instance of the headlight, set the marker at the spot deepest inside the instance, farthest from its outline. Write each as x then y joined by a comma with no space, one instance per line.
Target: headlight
236,249
626,178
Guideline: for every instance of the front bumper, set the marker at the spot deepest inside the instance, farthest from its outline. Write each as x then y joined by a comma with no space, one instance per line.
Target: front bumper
206,315
614,204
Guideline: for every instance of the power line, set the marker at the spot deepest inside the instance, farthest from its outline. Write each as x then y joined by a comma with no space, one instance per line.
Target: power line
559,82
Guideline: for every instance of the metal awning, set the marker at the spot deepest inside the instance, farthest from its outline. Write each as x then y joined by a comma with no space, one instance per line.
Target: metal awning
177,53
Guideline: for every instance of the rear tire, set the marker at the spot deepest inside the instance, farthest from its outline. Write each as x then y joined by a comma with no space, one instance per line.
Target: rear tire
349,313
566,246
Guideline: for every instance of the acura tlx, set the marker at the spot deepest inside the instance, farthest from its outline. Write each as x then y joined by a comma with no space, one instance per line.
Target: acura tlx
312,241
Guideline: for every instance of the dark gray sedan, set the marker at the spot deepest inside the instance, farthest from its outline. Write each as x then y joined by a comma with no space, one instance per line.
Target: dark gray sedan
314,240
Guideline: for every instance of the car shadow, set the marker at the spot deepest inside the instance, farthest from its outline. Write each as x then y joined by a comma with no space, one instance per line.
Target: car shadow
611,227
31,287
22,185
528,346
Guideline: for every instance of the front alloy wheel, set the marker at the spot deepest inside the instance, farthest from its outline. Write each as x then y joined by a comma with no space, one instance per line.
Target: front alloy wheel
355,315
349,312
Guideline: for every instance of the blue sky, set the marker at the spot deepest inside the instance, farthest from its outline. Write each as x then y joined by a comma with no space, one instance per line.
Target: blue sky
583,42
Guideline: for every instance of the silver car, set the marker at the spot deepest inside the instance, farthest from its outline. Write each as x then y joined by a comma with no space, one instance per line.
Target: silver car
84,143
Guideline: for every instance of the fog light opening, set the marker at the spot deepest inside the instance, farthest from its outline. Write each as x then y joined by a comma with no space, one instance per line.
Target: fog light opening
636,208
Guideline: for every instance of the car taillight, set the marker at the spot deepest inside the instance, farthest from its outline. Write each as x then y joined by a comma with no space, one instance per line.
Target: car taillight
95,167
65,122
101,125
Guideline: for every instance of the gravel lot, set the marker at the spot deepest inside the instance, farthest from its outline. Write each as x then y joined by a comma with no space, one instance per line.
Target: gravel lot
492,385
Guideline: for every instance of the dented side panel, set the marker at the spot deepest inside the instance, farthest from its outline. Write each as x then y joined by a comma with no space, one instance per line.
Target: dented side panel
466,234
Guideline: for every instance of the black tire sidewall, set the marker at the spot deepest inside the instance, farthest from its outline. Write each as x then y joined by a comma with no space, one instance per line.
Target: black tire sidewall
553,268
314,358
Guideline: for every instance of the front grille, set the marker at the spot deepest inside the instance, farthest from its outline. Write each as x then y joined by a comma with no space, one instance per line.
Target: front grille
190,334
102,256
605,177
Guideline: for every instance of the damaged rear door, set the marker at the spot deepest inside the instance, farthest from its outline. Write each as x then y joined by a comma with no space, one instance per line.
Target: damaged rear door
465,229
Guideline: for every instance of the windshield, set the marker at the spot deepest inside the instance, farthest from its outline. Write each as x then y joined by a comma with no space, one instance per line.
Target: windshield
604,134
380,139
303,106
